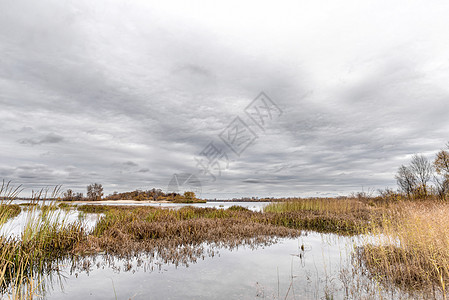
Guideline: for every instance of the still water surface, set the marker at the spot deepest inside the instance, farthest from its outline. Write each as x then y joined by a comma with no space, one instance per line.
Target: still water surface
313,266
281,270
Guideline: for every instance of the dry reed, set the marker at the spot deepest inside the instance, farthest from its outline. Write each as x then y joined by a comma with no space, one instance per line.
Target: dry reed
411,247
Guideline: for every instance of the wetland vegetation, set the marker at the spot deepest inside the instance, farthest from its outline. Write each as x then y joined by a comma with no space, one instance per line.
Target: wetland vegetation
406,244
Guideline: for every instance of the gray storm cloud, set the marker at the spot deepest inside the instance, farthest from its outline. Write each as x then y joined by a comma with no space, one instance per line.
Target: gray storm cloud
127,93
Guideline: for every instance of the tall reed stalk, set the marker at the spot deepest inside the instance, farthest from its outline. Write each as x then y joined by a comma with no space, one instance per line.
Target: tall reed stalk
410,248
47,236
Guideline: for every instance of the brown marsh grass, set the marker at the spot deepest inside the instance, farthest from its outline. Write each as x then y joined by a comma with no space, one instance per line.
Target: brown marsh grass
343,216
7,194
324,205
46,237
92,208
410,248
9,211
127,232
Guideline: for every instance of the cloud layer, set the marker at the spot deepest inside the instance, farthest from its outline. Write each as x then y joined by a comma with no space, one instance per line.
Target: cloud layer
127,93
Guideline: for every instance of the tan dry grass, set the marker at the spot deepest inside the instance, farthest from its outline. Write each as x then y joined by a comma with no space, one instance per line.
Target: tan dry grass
411,246
327,215
148,229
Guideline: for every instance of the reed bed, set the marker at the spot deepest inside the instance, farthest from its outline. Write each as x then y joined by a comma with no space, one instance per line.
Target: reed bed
7,194
47,237
28,204
8,211
126,232
148,229
410,248
65,206
346,216
324,205
92,208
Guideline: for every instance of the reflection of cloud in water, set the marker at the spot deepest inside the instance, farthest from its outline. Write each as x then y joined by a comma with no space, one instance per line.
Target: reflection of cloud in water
308,267
217,271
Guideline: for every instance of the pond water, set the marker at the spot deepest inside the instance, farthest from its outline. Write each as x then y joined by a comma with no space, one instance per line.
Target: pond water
254,206
278,271
15,226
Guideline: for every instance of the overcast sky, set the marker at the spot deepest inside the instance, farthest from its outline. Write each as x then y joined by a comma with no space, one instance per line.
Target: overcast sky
128,93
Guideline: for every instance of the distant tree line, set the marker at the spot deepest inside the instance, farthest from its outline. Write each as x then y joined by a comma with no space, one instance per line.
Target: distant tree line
95,193
140,195
69,195
422,178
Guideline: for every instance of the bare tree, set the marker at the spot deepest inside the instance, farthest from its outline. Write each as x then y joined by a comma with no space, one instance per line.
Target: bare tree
406,180
442,186
441,162
78,197
441,180
422,169
68,196
90,192
95,191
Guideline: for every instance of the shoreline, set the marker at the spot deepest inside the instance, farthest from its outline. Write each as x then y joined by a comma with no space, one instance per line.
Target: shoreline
142,201
117,201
